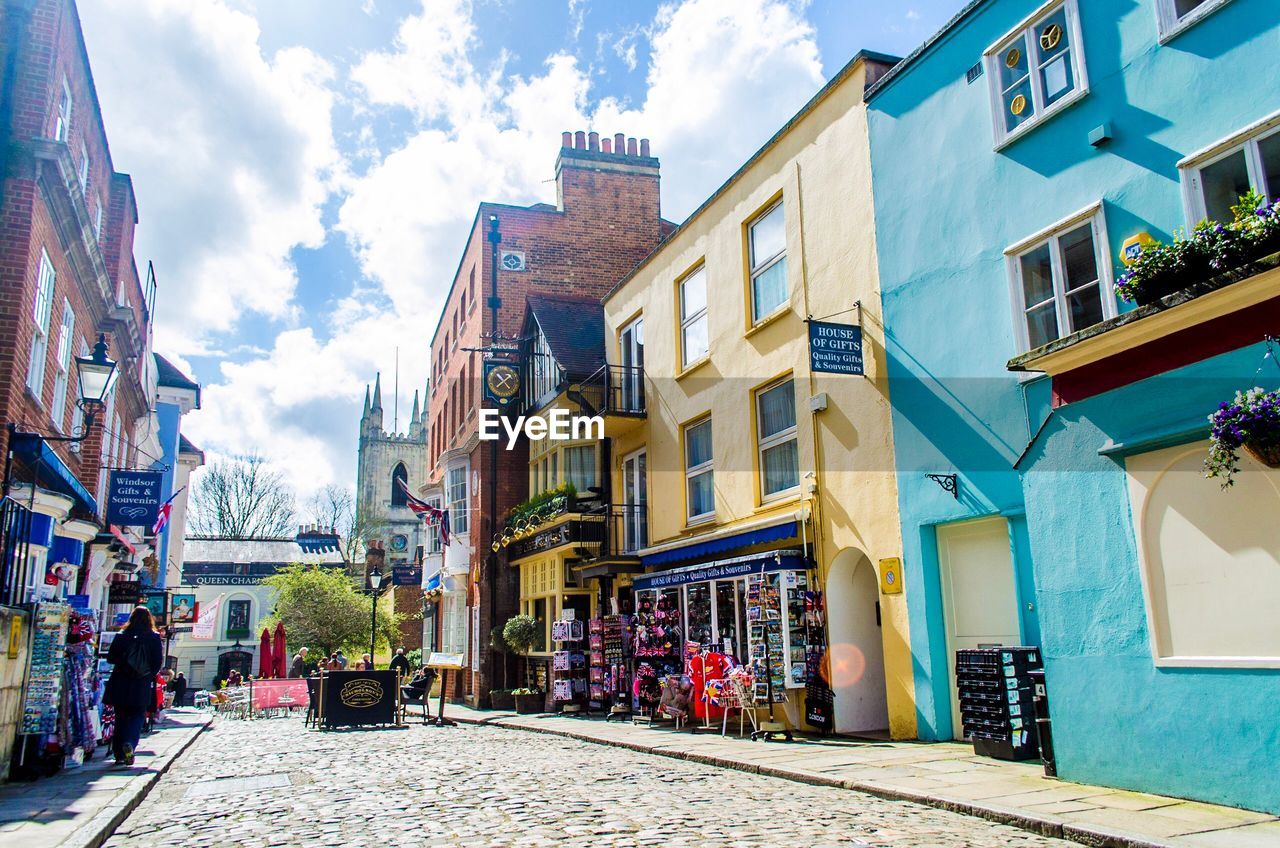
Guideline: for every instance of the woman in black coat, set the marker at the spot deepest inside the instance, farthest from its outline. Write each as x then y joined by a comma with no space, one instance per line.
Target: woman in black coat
131,687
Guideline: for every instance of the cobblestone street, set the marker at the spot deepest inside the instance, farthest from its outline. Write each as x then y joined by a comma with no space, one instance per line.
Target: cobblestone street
276,783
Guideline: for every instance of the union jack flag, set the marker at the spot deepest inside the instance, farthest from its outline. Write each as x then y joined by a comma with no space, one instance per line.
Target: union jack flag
432,515
162,517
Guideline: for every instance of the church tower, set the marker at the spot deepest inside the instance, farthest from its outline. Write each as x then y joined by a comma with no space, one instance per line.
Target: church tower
383,459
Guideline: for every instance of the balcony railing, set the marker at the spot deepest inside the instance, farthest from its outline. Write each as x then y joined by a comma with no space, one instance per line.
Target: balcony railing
620,530
616,390
15,532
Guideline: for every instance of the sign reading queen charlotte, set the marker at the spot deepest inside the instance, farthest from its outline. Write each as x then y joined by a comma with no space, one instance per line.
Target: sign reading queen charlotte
835,348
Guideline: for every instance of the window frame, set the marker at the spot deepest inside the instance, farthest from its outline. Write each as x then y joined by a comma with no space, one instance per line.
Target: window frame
62,125
459,519
1169,25
756,270
83,171
42,313
763,443
1094,217
62,362
1042,113
698,470
1246,139
686,321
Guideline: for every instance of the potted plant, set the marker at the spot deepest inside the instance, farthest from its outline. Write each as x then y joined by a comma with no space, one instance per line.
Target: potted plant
500,699
529,700
520,633
1249,423
1213,249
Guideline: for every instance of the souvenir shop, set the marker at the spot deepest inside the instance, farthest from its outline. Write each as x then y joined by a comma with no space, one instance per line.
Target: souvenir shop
693,640
62,720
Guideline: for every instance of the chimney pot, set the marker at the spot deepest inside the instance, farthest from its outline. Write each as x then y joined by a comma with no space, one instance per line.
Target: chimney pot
606,145
620,144
631,147
644,147
566,139
593,141
580,140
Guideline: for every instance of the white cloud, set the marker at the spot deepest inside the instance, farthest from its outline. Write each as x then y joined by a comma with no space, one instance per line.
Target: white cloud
244,145
231,152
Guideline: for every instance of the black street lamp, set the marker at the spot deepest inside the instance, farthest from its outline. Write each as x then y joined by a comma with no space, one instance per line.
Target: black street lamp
375,583
94,375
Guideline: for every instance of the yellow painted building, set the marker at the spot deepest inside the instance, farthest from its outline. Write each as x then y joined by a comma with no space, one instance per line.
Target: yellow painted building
742,449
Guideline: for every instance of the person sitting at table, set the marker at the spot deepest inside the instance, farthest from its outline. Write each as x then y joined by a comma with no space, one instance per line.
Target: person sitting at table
417,688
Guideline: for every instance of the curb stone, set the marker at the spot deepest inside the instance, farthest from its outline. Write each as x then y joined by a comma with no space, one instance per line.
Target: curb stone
1083,834
103,824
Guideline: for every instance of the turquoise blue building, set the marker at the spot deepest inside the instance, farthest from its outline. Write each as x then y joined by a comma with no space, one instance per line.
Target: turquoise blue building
1050,436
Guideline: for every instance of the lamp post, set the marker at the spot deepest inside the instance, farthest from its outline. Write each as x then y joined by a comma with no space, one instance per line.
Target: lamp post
94,374
375,583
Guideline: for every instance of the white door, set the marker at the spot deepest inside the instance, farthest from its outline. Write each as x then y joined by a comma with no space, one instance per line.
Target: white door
979,597
631,344
635,499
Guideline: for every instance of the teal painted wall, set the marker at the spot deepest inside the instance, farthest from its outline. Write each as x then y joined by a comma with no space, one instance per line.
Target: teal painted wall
947,205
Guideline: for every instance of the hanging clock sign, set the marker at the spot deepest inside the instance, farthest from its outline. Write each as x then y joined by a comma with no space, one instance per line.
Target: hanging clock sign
501,383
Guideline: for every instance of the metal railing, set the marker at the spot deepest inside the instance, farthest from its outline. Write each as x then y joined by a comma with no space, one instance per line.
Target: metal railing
620,530
616,389
15,535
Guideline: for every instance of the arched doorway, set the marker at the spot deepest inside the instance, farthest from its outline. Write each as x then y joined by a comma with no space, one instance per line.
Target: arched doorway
856,652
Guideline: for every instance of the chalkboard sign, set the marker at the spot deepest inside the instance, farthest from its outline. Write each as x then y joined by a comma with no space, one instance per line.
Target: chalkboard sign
355,698
835,348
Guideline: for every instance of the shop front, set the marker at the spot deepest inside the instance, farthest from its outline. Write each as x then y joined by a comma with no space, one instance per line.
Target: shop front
757,612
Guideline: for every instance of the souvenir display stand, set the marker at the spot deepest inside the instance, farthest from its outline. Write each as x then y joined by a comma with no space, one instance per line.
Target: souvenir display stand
819,700
656,644
769,646
608,669
569,665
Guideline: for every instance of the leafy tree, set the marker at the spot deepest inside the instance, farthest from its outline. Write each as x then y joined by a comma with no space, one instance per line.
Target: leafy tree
242,498
322,610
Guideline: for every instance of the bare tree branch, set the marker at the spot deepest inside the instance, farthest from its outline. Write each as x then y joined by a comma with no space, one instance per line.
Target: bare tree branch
242,498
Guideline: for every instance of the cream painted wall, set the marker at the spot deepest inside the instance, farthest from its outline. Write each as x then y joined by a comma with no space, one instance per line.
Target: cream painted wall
821,170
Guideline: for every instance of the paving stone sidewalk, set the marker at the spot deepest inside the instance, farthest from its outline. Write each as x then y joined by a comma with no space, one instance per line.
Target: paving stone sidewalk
79,807
945,775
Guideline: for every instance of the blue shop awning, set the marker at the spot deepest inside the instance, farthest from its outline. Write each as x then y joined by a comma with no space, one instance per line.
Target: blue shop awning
725,569
711,547
51,472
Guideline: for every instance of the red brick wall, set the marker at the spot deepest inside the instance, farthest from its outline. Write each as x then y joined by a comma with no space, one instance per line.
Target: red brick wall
608,221
52,48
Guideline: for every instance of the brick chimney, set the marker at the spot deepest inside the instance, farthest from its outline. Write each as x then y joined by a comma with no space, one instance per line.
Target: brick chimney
590,164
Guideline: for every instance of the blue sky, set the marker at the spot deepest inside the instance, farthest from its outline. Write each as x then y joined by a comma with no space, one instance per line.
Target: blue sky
307,169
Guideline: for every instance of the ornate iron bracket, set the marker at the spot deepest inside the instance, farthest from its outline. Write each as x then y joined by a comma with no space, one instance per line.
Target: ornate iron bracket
948,482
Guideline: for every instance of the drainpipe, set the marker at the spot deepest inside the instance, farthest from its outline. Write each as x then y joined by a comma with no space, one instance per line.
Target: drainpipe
491,523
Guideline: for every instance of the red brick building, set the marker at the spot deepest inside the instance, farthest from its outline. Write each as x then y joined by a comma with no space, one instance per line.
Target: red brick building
67,272
605,221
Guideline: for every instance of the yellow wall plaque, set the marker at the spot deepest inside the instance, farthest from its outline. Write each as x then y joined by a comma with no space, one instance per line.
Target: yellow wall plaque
891,576
15,637
1134,245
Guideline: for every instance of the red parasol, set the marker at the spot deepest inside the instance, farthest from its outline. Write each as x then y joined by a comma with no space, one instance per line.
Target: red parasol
266,662
281,652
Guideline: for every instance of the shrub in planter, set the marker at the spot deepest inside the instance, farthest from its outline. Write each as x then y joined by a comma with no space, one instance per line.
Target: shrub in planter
529,701
502,699
1250,422
1212,249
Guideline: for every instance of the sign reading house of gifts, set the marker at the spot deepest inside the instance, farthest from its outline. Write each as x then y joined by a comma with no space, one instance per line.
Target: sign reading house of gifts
134,498
835,348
